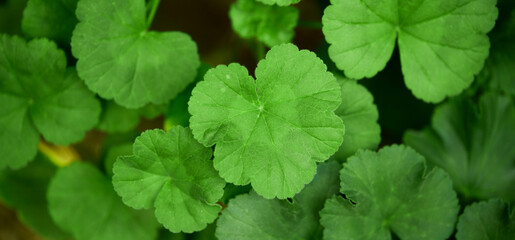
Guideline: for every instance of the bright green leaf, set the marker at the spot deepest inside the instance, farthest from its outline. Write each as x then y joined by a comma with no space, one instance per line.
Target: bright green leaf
279,2
38,94
82,201
25,190
490,220
391,193
172,172
359,115
271,25
270,131
119,58
251,216
475,146
54,19
442,43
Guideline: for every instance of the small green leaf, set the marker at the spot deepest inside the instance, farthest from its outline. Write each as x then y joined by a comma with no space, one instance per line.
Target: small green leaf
38,94
359,115
271,25
82,201
119,58
54,19
271,131
489,220
442,43
475,146
390,192
251,216
172,172
25,190
279,2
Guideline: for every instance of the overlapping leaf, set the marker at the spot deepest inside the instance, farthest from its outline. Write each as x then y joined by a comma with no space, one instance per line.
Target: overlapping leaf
487,220
270,131
391,193
442,43
251,216
475,146
38,94
120,59
82,201
54,19
359,114
271,25
172,172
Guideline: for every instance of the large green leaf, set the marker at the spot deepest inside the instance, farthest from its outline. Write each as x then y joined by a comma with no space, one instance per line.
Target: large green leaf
271,25
360,115
82,201
172,172
442,43
38,94
270,131
251,216
25,190
119,58
391,193
475,146
54,19
489,220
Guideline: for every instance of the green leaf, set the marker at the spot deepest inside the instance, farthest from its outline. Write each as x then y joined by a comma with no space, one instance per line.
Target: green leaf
442,43
25,190
271,25
38,94
279,2
489,220
391,193
172,172
120,59
123,149
271,131
359,115
251,216
116,118
83,202
54,19
475,146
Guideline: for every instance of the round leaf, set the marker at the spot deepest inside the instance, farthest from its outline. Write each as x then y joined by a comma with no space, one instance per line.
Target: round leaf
120,59
486,221
442,43
390,193
271,131
172,172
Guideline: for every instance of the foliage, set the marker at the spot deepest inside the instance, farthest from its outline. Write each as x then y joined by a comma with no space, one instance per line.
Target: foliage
250,119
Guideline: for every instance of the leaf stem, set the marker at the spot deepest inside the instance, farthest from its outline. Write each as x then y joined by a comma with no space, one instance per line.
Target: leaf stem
310,24
60,156
153,10
259,50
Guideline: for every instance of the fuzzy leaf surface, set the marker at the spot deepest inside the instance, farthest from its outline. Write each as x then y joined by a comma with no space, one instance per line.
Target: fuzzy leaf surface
120,59
442,43
271,131
172,172
390,192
